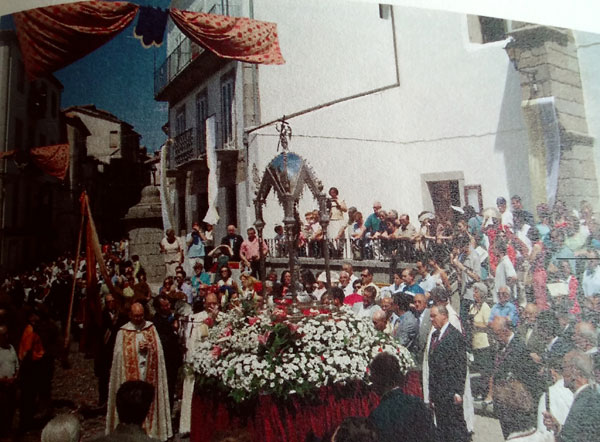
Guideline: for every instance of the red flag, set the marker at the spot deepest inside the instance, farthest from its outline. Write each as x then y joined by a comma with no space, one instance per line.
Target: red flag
55,36
238,38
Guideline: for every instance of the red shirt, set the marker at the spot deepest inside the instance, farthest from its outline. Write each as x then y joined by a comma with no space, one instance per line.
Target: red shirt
353,299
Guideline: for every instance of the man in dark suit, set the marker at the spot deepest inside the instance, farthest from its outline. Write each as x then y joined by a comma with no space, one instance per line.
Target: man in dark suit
513,363
424,320
447,376
398,416
529,332
233,240
583,420
133,403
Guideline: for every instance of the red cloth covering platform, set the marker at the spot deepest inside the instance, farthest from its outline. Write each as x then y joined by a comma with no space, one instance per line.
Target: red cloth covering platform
268,420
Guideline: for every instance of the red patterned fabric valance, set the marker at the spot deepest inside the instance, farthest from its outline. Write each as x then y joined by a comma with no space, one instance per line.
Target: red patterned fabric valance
53,37
238,38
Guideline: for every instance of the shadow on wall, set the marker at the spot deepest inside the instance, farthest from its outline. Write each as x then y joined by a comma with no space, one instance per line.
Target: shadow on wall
512,140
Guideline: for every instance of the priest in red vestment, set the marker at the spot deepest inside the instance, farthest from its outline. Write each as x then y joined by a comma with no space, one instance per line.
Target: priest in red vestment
138,355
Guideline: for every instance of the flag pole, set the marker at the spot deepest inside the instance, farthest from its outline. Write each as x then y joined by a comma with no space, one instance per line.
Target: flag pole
65,357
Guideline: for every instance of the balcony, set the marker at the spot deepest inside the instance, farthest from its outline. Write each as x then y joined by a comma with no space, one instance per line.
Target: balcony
188,146
176,62
188,64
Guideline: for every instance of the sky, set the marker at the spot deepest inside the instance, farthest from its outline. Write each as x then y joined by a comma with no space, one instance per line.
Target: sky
119,78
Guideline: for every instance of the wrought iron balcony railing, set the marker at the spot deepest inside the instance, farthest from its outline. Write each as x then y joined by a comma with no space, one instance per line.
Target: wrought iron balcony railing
188,146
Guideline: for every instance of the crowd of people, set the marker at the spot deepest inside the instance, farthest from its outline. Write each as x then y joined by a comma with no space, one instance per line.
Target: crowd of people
493,307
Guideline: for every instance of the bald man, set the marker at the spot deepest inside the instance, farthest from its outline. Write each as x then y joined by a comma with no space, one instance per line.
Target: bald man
585,338
512,363
138,356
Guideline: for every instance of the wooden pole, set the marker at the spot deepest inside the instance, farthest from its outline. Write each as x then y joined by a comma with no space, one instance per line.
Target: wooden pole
65,358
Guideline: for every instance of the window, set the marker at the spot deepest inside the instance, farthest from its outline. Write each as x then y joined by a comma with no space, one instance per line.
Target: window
113,139
227,93
201,116
487,29
180,125
384,11
492,29
473,197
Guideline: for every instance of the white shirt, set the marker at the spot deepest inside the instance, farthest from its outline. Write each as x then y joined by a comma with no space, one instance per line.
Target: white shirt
504,271
561,399
591,281
362,312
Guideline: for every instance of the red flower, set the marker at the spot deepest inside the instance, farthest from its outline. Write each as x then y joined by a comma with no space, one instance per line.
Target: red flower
228,331
257,287
323,358
263,339
253,320
380,350
216,352
209,321
293,327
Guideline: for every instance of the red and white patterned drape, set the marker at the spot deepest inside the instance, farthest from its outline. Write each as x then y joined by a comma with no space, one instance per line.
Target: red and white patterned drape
54,37
238,38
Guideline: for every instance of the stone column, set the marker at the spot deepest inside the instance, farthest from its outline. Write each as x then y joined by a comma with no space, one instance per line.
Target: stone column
547,61
144,223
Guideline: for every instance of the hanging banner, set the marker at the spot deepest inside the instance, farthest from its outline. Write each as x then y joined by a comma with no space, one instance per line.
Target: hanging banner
165,207
238,38
54,37
544,148
212,216
53,160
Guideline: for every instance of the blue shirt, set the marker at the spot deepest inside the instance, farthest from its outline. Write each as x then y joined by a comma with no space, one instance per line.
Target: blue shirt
196,249
507,310
197,281
373,223
414,289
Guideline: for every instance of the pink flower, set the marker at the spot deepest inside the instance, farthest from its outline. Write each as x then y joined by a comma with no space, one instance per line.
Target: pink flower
263,339
209,321
228,331
216,352
293,327
253,320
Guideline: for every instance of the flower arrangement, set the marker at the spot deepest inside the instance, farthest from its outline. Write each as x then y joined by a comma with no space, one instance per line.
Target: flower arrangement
273,353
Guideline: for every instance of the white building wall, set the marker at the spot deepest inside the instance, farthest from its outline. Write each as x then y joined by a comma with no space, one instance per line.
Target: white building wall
457,108
588,51
98,143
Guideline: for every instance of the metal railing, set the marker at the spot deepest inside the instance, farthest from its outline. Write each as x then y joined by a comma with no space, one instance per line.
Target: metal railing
187,51
364,249
184,147
176,62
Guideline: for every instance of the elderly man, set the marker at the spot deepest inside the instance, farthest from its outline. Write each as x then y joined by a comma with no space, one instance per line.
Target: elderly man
367,281
138,355
345,284
406,327
398,416
512,363
234,241
528,330
447,376
367,308
387,306
380,321
410,286
583,421
504,307
585,338
250,252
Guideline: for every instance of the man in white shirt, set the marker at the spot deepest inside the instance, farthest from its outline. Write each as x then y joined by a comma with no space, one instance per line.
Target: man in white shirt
591,276
367,308
506,215
506,274
345,284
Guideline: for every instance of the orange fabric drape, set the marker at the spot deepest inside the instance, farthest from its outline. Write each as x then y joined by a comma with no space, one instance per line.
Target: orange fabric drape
55,36
238,38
